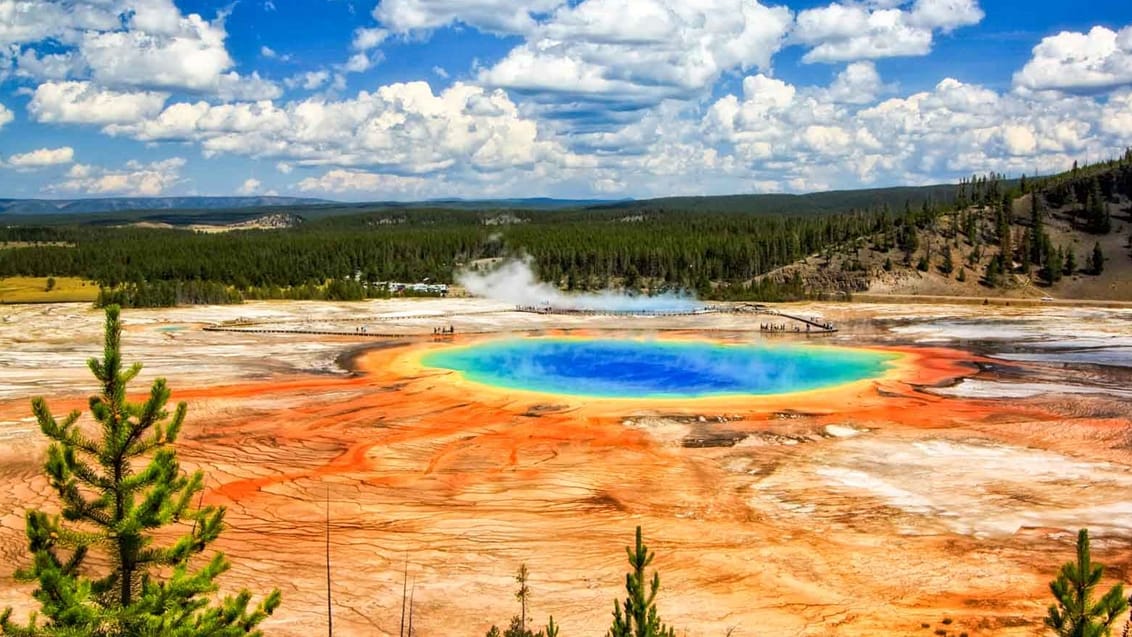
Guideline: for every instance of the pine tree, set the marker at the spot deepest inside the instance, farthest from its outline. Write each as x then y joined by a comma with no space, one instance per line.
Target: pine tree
119,492
1037,222
975,256
1097,261
523,594
993,274
518,627
970,227
1054,265
1070,262
639,617
1027,251
1004,239
909,240
948,265
1096,212
1076,614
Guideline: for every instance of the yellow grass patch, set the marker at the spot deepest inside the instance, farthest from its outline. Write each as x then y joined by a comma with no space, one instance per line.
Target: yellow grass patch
33,289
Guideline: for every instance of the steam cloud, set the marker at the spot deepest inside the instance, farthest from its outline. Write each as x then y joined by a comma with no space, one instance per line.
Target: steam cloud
513,281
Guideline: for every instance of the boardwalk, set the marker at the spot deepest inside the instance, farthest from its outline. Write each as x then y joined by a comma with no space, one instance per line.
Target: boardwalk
257,329
791,323
612,312
812,325
806,325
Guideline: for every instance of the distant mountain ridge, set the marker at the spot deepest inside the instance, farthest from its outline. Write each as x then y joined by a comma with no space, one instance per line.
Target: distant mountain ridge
528,203
180,209
12,207
818,202
116,204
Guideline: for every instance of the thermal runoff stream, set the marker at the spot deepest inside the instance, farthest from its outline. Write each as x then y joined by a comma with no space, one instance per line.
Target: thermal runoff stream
656,368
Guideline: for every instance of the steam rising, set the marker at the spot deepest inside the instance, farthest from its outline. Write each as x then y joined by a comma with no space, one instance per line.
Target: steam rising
513,281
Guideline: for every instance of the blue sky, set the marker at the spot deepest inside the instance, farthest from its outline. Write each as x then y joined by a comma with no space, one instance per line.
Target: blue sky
414,99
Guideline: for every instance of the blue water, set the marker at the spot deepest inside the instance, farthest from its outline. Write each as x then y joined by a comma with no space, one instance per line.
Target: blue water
656,369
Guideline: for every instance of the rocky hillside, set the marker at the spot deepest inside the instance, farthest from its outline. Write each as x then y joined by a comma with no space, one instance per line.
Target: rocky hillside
1067,236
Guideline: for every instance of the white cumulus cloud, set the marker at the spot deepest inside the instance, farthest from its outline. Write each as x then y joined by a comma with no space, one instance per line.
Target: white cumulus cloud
85,103
164,49
859,83
368,38
844,32
134,179
24,21
127,45
310,80
377,185
498,16
358,62
250,186
1070,61
192,57
1116,117
796,137
402,128
54,66
639,52
42,157
6,116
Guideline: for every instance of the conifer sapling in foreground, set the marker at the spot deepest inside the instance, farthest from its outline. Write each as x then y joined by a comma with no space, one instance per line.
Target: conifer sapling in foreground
518,627
637,615
119,491
1076,613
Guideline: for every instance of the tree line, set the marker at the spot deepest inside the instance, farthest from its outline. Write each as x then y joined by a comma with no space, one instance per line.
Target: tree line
660,250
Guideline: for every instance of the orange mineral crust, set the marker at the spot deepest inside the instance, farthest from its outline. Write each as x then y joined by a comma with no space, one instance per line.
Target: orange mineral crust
868,509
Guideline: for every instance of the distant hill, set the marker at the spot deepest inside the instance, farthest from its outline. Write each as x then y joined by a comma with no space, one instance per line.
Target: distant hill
119,204
1030,239
810,203
187,210
228,209
830,201
529,203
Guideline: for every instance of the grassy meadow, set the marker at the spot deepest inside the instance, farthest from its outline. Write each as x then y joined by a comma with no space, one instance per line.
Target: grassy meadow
33,289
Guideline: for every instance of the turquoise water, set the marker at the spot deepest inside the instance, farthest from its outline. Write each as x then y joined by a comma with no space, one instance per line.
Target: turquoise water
657,369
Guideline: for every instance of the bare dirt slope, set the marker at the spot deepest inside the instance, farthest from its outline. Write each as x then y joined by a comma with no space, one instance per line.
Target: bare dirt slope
863,267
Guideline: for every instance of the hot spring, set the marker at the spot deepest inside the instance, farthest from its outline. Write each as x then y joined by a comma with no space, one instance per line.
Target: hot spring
655,368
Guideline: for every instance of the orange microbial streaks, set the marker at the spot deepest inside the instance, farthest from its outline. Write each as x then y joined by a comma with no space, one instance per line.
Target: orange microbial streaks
468,481
456,417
